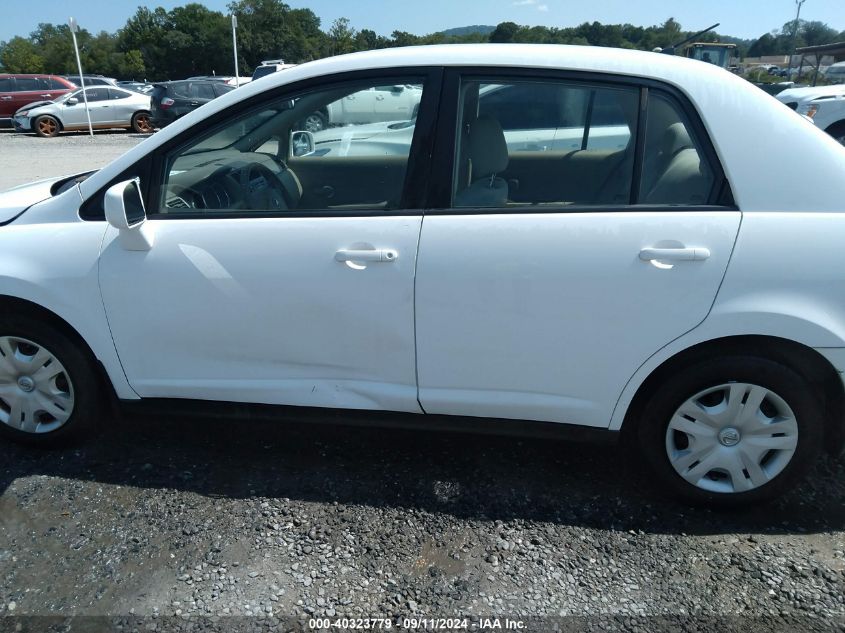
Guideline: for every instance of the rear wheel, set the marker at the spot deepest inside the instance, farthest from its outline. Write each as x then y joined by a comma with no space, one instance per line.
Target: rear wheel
732,431
142,123
46,126
48,385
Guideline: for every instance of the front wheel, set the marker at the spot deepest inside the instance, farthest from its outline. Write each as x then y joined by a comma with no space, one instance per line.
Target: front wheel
46,126
731,431
48,386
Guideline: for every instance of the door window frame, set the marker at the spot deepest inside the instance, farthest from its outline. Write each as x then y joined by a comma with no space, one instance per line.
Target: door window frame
444,157
417,170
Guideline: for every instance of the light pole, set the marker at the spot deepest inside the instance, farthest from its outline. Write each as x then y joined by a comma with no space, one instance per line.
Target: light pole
235,48
794,35
74,27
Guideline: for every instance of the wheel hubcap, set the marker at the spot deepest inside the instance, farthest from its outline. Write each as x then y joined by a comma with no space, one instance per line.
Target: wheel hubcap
36,393
732,438
729,436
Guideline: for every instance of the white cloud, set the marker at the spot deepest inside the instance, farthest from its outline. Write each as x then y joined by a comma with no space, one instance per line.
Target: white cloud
524,3
542,7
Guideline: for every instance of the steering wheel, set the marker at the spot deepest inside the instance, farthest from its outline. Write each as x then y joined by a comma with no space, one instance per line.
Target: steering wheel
262,189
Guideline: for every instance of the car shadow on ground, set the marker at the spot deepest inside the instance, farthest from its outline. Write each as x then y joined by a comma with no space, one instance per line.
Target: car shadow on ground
469,476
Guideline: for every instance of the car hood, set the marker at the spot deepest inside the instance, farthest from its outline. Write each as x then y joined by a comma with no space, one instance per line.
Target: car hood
18,199
810,92
32,106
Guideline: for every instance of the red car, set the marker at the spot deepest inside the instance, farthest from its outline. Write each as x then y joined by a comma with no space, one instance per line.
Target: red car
17,91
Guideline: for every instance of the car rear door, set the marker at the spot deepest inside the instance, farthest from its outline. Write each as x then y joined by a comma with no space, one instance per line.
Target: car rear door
539,298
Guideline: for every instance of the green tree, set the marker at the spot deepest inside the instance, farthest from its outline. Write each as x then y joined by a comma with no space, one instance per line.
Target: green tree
19,55
341,37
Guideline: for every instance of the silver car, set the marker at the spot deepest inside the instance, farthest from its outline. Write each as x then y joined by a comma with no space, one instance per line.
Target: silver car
109,106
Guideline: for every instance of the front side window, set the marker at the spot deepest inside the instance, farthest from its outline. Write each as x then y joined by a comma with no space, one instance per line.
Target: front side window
544,142
271,159
95,94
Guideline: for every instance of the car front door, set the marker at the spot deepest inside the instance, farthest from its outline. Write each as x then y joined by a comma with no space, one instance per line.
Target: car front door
250,293
73,115
540,291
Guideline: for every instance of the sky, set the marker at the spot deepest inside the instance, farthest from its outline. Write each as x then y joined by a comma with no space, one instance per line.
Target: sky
740,18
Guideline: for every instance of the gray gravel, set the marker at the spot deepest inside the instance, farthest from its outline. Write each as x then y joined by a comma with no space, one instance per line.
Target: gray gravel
26,157
172,523
180,520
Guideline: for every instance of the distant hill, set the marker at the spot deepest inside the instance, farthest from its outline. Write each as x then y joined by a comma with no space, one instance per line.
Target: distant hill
481,29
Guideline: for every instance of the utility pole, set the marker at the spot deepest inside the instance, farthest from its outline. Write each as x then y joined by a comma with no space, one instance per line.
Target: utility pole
235,48
74,27
794,35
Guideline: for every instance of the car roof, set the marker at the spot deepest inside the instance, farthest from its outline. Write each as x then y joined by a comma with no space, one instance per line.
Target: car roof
737,115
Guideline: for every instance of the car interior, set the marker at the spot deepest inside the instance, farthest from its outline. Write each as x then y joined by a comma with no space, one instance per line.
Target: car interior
519,143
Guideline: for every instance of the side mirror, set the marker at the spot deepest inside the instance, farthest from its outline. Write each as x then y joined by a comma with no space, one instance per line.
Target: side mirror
301,143
125,211
72,101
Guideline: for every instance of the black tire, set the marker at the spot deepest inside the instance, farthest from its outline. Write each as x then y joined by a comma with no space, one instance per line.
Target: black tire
142,123
315,122
46,126
837,131
81,373
787,384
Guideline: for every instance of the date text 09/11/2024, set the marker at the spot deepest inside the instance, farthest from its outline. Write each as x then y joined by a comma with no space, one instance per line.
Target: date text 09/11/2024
429,624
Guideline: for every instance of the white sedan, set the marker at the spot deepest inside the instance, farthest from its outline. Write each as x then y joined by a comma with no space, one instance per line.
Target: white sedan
610,247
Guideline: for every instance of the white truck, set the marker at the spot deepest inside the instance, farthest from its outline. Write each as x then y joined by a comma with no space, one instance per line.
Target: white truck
825,105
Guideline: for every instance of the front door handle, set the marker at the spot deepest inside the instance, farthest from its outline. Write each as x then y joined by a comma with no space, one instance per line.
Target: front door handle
695,254
6,98
375,255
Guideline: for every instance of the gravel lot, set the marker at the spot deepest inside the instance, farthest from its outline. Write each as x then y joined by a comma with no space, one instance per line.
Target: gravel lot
169,523
26,157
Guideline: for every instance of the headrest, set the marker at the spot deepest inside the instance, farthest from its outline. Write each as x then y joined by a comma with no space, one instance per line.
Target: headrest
487,147
675,139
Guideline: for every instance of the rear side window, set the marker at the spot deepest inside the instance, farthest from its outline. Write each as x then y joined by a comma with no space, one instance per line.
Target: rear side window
24,84
675,168
551,142
119,94
55,84
179,90
221,89
202,91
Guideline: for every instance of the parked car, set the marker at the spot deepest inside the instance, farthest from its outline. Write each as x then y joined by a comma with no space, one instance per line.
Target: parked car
672,290
229,81
835,73
137,86
16,91
174,99
91,80
270,66
109,107
824,105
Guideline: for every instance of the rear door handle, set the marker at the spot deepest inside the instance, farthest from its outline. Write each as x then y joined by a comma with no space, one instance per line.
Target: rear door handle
6,98
375,255
696,254
47,96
